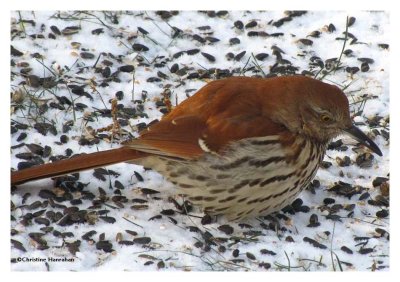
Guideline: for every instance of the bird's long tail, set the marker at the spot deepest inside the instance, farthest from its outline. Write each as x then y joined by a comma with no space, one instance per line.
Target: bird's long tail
75,164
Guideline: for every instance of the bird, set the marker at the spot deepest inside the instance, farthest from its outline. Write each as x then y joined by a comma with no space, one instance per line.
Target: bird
239,147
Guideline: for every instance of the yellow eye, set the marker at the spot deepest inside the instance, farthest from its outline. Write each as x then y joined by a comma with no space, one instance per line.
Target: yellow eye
325,118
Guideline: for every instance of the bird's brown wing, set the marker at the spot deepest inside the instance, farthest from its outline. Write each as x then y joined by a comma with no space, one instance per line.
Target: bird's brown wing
217,115
177,138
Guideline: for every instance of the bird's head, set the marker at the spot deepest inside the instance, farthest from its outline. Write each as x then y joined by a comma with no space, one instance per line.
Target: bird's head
321,112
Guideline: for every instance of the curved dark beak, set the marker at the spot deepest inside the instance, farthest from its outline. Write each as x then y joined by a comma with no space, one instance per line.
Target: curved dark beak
358,135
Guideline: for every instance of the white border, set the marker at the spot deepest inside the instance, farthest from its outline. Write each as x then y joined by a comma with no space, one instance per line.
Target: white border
203,5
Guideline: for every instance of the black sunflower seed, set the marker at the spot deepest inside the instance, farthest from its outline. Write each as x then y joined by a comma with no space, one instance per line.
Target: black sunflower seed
334,217
70,30
306,42
229,56
351,21
41,220
44,128
130,232
257,33
193,229
55,30
251,24
39,213
97,31
153,79
289,239
209,57
365,251
346,161
382,213
138,176
366,60
106,72
148,191
167,212
18,245
139,47
206,219
365,160
142,240
335,208
25,156
278,23
383,45
192,51
127,68
173,220
234,41
315,33
15,52
364,67
239,56
106,246
314,243
328,201
34,205
250,256
267,252
227,229
87,236
158,216
265,265
331,28
142,30
140,201
108,219
178,54
87,55
199,38
313,219
352,70
204,27
261,56
211,39
346,250
160,264
139,207
126,242
382,233
379,180
238,24
276,34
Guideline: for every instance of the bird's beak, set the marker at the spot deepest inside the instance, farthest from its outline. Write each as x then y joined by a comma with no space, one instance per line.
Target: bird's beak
358,135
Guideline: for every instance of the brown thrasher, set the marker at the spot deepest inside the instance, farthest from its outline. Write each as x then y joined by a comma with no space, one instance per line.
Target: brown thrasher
240,146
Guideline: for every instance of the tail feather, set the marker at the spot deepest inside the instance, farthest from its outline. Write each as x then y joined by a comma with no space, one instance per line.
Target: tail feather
75,164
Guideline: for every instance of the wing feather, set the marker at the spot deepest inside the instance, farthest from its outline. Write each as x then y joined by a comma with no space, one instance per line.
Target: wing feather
221,112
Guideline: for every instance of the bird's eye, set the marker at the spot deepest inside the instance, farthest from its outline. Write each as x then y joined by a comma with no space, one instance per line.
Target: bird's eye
325,118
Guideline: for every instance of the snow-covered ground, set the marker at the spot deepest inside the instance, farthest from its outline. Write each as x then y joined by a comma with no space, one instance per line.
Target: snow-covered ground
117,223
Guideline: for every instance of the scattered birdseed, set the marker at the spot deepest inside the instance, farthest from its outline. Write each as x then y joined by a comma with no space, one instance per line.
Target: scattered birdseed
267,252
314,243
209,57
227,229
142,240
346,250
106,246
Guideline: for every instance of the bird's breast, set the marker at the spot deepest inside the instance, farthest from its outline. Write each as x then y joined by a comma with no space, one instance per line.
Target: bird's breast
252,177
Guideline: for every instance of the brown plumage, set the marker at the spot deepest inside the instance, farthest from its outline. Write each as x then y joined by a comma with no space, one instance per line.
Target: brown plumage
240,146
